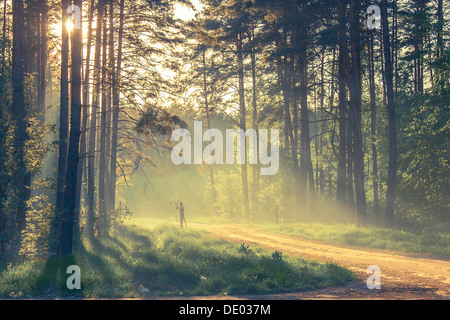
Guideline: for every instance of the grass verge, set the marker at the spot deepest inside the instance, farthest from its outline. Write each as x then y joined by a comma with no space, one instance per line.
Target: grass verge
166,261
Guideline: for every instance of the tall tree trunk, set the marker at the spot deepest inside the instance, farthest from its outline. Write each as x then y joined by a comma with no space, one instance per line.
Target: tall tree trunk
82,165
306,168
330,170
43,61
19,109
418,48
31,49
373,122
356,114
63,111
3,185
292,101
4,33
320,180
392,168
440,40
440,29
291,126
256,168
115,110
242,123
93,125
341,178
286,79
288,138
208,120
394,47
67,226
350,200
103,117
111,66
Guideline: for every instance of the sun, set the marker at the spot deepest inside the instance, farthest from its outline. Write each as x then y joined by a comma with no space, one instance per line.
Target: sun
69,25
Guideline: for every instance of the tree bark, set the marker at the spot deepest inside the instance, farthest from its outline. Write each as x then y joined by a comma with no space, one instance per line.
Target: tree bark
306,168
373,123
392,168
82,165
103,117
111,65
115,109
440,29
208,120
4,33
67,225
256,168
63,111
93,125
19,110
356,113
341,176
43,61
319,146
242,122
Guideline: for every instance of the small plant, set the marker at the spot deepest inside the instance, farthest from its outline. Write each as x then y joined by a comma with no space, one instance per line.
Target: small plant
278,256
244,249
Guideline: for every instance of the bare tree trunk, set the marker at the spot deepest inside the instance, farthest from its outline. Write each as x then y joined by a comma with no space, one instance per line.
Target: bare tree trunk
418,50
341,178
208,120
103,114
242,123
115,110
395,47
350,201
67,226
440,29
392,168
292,101
288,137
289,126
440,40
356,114
19,109
4,32
329,171
63,111
320,180
93,126
306,168
256,168
82,165
43,61
111,64
373,123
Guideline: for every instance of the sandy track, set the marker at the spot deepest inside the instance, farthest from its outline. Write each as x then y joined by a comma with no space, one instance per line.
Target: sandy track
403,276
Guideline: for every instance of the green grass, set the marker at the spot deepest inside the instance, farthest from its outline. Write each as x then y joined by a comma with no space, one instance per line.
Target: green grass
166,261
431,241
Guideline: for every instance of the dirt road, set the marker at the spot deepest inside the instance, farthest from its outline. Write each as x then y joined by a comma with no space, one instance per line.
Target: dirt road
403,276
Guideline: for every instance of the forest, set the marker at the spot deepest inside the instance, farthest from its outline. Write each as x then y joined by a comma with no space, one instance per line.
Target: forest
280,113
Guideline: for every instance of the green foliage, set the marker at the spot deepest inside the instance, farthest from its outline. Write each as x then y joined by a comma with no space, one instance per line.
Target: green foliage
424,153
229,203
37,237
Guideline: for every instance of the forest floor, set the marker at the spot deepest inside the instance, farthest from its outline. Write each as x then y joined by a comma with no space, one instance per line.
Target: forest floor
403,275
